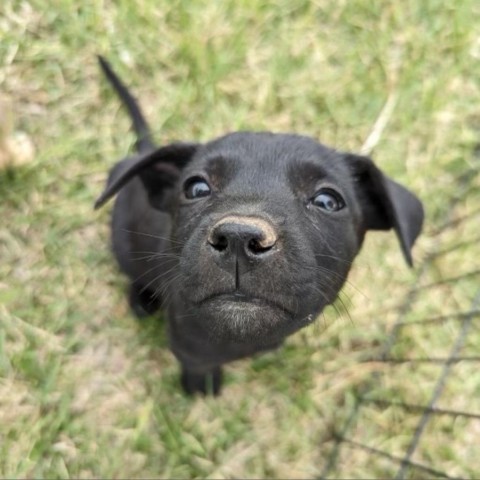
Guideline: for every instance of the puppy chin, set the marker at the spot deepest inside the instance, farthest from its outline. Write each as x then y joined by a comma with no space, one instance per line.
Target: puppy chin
245,322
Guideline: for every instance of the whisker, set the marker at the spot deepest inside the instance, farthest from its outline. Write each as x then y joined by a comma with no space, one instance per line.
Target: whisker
336,275
158,277
146,273
166,290
337,300
156,252
151,235
155,256
338,259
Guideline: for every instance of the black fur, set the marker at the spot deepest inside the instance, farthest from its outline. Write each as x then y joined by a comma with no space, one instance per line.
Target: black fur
245,239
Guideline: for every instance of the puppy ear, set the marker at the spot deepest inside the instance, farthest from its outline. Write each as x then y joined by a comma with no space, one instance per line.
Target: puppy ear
386,204
157,169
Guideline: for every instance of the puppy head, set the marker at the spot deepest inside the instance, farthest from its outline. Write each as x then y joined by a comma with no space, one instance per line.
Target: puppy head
266,227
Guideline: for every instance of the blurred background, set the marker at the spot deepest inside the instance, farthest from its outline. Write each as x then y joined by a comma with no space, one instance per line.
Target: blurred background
384,384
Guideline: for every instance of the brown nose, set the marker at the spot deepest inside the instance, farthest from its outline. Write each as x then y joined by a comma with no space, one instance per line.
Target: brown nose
252,237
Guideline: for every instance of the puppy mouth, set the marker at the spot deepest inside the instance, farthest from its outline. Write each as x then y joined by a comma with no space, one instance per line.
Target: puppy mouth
239,317
243,300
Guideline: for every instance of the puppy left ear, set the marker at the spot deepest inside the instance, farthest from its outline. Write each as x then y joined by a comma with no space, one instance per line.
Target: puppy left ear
158,170
386,204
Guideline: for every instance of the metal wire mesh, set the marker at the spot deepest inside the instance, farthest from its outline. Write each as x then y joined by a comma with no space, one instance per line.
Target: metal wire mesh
458,232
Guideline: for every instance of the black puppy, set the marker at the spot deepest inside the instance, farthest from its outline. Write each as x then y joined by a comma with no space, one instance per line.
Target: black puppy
245,239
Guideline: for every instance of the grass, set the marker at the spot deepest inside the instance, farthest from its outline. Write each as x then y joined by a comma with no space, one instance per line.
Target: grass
87,391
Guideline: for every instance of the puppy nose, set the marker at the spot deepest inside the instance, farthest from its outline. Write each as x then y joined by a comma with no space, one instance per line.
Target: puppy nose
248,236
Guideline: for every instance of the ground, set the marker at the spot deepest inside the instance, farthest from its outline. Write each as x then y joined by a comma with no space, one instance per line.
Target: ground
88,391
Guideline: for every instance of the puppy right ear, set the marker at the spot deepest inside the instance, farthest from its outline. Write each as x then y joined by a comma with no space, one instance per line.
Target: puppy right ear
387,204
158,170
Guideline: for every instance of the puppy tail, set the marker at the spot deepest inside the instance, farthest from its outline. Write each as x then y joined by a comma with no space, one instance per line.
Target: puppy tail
144,136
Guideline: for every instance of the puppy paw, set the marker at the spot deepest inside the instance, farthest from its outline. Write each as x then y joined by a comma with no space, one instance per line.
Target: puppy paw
208,383
143,302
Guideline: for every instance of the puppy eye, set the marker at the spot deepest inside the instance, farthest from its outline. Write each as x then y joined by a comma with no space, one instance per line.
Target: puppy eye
196,187
328,200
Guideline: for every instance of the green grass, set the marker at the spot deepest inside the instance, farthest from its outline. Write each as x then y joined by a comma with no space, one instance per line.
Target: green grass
87,391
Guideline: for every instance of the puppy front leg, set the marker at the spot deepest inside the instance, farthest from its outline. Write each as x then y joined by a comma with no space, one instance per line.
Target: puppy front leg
203,381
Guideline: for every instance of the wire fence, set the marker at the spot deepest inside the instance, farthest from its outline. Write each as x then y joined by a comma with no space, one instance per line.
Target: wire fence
458,232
